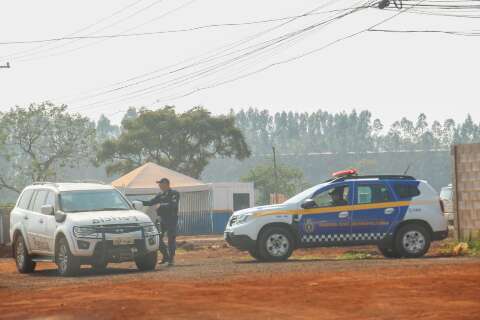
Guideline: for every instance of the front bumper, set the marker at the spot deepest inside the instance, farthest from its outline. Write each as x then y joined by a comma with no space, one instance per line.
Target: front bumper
104,248
241,242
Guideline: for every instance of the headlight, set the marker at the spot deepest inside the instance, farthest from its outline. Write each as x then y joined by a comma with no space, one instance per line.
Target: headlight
150,229
242,218
86,232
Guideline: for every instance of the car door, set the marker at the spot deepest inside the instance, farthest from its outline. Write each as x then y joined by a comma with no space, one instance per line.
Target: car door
375,210
328,222
36,223
49,222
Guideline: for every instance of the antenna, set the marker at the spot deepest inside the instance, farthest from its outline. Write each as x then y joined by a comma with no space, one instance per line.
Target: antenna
408,168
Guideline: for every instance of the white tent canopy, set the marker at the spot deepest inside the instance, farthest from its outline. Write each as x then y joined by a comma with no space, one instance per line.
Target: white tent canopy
142,181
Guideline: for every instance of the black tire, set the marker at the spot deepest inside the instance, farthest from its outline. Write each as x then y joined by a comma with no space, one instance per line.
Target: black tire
22,259
275,244
147,262
67,264
412,241
389,252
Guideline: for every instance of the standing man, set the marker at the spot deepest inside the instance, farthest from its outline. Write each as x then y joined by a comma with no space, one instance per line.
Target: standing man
167,211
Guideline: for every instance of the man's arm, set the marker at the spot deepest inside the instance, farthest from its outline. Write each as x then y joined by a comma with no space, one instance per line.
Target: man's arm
154,200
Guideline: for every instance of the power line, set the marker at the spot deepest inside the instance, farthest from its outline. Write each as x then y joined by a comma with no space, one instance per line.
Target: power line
139,34
214,55
207,70
449,32
117,12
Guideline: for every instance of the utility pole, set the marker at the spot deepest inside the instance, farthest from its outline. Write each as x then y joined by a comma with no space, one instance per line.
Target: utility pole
275,175
6,66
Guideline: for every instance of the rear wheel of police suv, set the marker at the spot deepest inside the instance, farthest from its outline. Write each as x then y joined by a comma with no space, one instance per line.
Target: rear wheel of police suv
22,259
275,244
412,241
147,262
67,263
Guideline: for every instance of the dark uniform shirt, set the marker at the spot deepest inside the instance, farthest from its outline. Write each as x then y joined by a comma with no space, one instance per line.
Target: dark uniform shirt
168,204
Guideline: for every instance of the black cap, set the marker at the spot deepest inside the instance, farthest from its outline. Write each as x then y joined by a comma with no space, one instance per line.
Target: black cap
163,180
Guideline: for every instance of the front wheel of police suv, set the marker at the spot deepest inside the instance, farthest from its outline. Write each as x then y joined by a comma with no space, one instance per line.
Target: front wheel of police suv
146,262
275,244
67,263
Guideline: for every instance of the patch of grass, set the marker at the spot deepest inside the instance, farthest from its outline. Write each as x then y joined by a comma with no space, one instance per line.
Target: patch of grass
355,255
455,248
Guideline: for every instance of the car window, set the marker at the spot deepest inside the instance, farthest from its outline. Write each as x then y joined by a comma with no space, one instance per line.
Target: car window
39,200
373,193
92,200
50,200
25,199
332,197
406,190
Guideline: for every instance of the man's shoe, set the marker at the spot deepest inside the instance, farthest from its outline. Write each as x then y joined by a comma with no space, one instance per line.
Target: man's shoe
164,261
171,263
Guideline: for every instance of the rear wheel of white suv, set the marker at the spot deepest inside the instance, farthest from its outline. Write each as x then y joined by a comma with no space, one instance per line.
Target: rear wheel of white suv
412,241
22,259
67,263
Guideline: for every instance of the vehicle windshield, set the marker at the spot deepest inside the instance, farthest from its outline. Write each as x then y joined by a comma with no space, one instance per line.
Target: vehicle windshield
303,195
92,200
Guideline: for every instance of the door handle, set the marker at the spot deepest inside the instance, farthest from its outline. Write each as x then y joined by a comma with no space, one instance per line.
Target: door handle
343,214
389,210
41,220
25,217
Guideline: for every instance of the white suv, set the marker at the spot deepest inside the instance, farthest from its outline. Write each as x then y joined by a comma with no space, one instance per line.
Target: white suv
80,223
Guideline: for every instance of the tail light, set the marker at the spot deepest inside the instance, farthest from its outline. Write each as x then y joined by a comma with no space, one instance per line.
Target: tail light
442,205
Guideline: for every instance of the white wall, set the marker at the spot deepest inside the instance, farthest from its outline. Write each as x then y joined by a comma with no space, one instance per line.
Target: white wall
223,194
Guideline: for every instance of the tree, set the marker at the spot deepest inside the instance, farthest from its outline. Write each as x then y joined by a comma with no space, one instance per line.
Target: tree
39,138
290,181
105,130
183,142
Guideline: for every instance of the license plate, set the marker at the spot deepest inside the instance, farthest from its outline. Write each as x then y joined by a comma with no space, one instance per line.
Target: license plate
123,241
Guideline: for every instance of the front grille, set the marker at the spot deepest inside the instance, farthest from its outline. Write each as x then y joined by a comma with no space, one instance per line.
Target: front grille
118,228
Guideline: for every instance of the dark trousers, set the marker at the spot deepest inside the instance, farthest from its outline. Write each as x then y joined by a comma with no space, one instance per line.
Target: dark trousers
168,227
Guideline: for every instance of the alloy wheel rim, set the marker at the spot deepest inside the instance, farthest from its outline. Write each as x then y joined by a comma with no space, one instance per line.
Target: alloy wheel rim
20,253
277,245
62,258
413,241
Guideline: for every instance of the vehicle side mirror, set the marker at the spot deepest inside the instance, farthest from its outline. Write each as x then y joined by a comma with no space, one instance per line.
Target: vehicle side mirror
60,216
138,205
308,204
47,209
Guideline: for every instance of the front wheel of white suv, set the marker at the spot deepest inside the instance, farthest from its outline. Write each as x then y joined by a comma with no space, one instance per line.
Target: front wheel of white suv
147,262
67,263
22,259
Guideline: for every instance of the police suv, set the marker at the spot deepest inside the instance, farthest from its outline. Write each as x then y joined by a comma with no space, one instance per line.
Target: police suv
398,213
80,223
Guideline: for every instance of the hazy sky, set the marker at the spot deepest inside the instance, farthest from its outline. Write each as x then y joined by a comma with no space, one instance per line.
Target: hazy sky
391,74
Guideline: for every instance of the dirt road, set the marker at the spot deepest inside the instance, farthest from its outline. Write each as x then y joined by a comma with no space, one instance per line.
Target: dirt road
220,283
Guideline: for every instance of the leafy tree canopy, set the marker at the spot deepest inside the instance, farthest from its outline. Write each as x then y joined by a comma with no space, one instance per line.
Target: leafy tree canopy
38,139
184,142
290,181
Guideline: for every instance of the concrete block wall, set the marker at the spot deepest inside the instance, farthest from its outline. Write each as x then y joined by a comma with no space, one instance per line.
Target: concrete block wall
466,177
